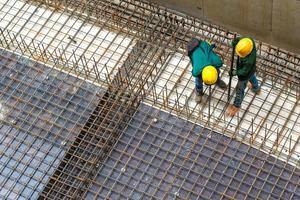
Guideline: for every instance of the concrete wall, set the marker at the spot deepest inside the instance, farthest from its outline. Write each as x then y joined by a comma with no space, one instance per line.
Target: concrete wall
273,21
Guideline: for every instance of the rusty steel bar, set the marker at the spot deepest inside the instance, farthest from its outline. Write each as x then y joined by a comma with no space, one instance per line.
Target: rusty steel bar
96,102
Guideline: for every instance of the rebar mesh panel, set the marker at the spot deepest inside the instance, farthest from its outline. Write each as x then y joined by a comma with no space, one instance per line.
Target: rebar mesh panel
274,111
161,156
57,37
26,163
41,112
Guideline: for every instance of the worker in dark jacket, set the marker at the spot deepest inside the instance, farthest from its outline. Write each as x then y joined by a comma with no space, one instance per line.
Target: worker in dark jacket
245,70
206,65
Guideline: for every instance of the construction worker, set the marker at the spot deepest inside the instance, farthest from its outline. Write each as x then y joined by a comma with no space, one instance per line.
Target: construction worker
206,65
245,70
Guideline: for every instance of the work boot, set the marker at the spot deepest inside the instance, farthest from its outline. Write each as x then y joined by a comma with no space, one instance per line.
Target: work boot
254,90
232,110
221,84
199,95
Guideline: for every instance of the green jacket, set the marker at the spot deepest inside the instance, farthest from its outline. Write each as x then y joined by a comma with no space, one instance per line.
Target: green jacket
246,67
202,56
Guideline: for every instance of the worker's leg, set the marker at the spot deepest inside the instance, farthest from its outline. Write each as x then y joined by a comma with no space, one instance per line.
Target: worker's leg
199,85
254,83
240,93
220,82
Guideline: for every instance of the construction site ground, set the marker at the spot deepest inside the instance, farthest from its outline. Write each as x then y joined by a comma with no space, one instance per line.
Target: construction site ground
93,108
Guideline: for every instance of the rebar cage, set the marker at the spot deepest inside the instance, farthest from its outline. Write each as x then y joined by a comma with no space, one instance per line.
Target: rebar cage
97,102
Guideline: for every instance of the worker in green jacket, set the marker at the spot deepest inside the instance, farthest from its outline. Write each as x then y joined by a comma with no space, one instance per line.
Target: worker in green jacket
245,71
206,65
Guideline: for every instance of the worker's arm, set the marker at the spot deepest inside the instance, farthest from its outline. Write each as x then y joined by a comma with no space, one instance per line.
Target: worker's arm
196,71
216,60
246,65
199,59
244,69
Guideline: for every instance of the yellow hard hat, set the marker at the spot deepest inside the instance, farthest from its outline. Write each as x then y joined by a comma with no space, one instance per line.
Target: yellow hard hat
244,47
209,75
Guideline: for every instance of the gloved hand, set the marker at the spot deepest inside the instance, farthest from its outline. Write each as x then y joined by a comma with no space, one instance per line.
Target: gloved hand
235,41
232,73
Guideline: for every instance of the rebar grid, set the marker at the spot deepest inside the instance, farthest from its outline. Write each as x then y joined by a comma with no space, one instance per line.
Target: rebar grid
162,156
42,110
273,62
135,50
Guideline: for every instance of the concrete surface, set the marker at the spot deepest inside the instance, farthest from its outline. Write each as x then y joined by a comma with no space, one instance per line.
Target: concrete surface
272,21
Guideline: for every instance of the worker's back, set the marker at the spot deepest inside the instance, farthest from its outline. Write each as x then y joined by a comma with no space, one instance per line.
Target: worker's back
202,56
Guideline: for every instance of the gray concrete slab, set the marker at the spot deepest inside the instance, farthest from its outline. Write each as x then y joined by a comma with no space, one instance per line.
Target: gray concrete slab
252,16
285,23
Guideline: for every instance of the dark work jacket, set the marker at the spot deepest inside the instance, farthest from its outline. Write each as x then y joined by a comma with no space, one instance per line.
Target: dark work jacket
246,67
